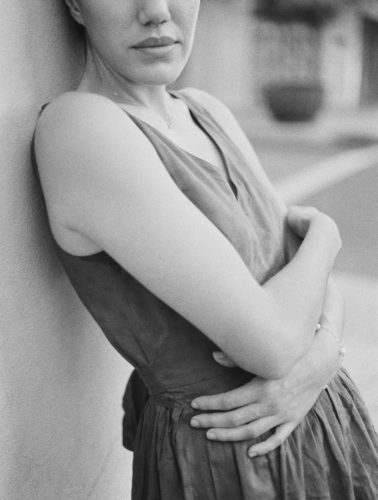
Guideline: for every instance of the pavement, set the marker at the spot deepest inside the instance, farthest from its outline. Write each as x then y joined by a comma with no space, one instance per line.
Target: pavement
332,163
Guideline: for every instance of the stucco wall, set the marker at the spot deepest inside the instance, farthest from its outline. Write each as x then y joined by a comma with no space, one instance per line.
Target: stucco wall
223,53
60,381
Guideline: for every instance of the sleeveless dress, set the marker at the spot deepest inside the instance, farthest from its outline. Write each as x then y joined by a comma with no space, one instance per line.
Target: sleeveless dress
332,454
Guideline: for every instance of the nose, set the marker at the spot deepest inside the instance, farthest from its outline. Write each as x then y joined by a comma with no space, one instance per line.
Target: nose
154,12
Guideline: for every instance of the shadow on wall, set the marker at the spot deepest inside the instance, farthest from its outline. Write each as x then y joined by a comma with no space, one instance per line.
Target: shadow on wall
61,383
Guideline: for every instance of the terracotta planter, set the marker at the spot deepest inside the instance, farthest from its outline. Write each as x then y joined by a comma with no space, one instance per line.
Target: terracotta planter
294,102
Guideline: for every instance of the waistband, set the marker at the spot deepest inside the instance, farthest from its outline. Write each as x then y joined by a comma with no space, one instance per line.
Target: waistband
178,395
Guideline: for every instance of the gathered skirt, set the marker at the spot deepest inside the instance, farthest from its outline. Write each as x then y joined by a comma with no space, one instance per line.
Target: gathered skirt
331,455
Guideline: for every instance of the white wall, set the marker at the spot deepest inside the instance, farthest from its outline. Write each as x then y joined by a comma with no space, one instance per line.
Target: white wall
222,59
60,381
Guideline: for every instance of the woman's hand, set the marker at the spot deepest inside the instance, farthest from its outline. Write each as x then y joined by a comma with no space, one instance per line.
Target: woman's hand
262,405
259,406
303,219
280,405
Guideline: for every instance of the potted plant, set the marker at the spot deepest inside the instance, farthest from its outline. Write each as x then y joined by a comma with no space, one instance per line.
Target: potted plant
297,93
294,101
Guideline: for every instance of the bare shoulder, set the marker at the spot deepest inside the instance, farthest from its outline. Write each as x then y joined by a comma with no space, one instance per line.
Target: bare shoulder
82,131
212,104
67,127
85,145
71,106
74,116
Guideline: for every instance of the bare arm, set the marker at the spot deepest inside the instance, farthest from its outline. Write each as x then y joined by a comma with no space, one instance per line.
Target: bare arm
263,404
332,310
279,405
118,193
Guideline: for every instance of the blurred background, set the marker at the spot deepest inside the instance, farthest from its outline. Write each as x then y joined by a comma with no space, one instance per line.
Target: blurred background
301,76
293,71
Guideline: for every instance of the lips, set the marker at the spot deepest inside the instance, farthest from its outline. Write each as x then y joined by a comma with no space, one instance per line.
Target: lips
152,42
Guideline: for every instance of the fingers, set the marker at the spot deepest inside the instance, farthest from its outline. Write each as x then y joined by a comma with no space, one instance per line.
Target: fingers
299,218
281,433
222,358
241,396
243,432
234,418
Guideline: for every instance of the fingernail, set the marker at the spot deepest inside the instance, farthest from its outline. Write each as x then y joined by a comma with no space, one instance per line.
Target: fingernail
194,423
195,404
211,435
252,453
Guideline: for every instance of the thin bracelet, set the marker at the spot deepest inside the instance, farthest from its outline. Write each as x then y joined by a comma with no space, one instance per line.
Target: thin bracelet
342,350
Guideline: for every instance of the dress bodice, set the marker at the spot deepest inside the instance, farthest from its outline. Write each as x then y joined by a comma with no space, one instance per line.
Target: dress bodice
170,353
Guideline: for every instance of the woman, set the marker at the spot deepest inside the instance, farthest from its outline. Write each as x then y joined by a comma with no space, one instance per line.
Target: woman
177,244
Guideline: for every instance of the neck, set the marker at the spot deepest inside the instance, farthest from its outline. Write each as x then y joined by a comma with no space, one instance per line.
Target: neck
99,78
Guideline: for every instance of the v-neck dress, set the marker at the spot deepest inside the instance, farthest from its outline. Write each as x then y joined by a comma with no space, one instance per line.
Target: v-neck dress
332,454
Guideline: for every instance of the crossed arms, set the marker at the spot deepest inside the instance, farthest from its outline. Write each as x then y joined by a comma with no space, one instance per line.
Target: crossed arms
136,205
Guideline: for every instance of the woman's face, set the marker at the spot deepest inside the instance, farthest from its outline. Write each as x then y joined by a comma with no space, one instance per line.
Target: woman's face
147,42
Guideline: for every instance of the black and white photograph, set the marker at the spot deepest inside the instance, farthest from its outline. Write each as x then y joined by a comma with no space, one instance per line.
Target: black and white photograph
189,250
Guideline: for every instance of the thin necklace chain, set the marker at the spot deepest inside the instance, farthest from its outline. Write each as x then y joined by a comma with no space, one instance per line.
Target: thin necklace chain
168,123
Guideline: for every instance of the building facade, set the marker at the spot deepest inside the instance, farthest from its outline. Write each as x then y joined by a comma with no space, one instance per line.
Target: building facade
235,55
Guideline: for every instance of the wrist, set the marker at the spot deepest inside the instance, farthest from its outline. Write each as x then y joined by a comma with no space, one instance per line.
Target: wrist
326,233
323,360
333,350
323,249
336,338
